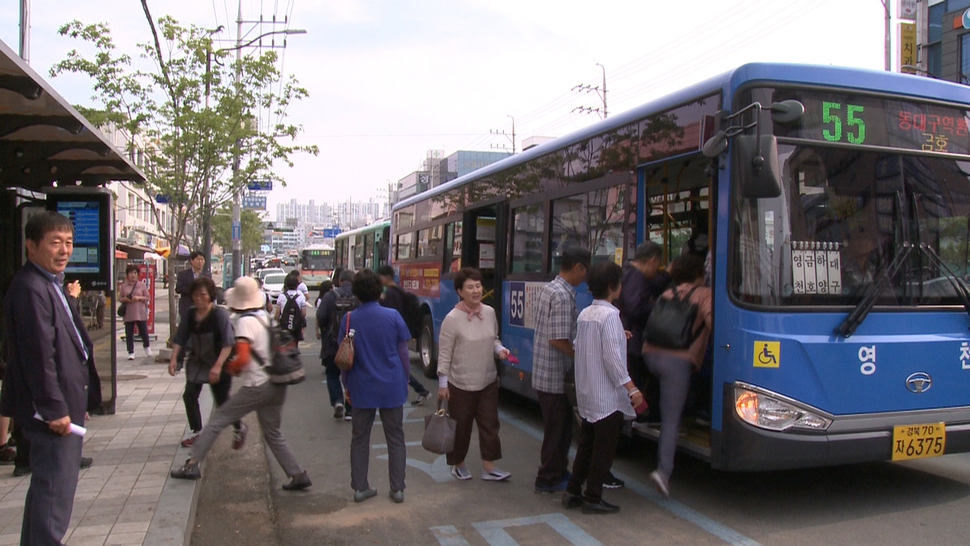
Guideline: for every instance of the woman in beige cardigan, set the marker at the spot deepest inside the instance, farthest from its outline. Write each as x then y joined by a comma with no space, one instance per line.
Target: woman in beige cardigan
467,378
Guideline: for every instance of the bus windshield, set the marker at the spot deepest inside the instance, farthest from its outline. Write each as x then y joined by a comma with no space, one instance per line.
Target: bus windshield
317,260
842,216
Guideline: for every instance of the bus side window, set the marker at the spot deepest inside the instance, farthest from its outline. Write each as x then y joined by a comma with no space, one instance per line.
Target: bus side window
452,247
404,241
528,231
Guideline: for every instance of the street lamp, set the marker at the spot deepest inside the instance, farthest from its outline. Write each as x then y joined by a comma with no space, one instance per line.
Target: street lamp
237,189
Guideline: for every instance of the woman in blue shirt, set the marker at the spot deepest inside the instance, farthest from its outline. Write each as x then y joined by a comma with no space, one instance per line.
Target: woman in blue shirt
378,381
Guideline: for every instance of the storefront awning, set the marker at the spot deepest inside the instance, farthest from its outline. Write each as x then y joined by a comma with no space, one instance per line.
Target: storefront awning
44,140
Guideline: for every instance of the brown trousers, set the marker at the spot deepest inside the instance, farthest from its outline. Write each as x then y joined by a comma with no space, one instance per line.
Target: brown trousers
482,408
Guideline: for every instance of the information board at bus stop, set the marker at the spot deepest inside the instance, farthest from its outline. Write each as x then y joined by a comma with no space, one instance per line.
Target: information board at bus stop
146,274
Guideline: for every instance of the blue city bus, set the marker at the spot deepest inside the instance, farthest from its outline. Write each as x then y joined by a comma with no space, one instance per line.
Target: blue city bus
836,205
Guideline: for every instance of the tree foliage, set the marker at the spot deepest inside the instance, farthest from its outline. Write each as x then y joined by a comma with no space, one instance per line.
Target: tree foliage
250,223
190,117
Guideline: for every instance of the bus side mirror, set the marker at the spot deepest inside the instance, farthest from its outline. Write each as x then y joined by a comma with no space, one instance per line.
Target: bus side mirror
787,111
760,175
715,145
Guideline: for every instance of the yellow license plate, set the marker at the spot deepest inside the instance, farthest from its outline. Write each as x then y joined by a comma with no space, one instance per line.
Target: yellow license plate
918,441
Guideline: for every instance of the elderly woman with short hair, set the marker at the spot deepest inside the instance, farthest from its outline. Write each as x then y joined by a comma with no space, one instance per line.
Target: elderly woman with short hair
467,347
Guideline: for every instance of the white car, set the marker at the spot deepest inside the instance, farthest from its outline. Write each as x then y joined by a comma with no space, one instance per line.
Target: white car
273,285
262,273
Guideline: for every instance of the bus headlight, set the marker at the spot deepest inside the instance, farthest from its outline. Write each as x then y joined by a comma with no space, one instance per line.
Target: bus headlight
772,413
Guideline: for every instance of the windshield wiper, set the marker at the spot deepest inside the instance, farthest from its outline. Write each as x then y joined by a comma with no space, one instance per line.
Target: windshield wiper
861,311
960,287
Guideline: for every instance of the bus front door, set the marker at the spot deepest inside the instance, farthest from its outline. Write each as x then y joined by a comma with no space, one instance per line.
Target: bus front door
483,247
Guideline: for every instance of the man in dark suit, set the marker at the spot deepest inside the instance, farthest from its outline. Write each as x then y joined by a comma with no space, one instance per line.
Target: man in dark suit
46,387
183,282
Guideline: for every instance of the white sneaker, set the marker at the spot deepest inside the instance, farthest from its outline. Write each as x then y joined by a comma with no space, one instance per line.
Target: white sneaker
660,483
131,356
148,352
496,475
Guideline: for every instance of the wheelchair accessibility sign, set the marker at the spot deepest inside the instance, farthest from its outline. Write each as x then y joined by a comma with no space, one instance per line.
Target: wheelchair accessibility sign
767,354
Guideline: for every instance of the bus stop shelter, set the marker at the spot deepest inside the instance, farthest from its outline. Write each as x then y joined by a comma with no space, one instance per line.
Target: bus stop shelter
45,143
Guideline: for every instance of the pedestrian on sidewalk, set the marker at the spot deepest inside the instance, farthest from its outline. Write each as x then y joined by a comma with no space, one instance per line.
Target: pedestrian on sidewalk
47,382
605,394
207,337
258,393
334,305
396,298
555,330
134,294
183,282
378,381
467,377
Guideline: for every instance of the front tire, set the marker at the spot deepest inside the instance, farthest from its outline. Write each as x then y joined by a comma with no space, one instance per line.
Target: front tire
427,349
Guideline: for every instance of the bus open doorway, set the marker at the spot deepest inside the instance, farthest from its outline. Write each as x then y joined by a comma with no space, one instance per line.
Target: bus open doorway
677,200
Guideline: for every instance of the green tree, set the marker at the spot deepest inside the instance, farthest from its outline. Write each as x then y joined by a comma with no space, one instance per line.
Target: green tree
252,230
191,116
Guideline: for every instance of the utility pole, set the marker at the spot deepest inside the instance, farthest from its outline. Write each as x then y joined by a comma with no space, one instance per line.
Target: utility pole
206,198
888,36
25,30
237,185
237,190
506,135
601,91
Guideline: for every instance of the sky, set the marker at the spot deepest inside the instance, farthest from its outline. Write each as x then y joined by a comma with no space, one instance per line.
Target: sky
389,80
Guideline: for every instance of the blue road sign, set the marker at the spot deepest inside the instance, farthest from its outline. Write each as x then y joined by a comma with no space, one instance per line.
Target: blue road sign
254,202
260,185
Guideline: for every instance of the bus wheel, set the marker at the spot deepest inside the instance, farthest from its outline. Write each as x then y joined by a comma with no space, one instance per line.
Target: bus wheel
426,348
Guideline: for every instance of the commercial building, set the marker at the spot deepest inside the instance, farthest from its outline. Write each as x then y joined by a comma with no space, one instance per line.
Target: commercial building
943,33
437,170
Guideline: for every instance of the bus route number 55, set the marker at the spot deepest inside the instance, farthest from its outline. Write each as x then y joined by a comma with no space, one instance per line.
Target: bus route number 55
517,303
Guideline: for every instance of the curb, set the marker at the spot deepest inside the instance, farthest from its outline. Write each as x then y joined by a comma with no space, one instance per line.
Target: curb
174,518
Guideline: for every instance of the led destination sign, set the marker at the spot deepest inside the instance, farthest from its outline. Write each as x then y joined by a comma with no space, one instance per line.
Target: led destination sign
875,121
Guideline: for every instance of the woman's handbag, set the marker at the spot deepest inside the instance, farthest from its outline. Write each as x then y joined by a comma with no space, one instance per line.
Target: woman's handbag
123,308
344,358
439,431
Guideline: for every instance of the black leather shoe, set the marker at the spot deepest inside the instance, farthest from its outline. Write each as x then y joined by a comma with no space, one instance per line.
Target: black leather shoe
189,471
86,462
601,507
571,501
298,482
20,471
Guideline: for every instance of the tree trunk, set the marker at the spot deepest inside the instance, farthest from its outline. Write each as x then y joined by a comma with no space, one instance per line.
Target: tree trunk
173,308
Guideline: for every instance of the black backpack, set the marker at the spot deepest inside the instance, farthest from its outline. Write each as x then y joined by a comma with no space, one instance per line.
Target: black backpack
671,322
290,318
286,366
343,304
411,312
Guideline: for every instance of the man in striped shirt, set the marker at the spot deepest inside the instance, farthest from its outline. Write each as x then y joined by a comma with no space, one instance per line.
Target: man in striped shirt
605,394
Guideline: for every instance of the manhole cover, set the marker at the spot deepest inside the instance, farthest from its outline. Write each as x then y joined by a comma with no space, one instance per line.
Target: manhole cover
130,377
